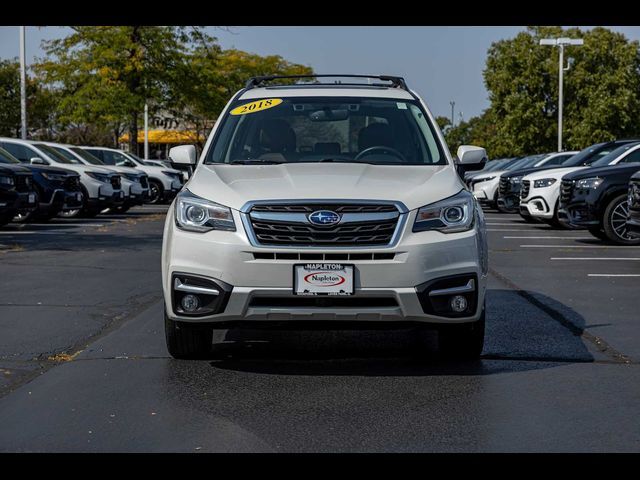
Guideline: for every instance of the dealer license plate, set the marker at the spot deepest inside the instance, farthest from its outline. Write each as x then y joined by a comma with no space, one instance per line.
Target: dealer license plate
323,279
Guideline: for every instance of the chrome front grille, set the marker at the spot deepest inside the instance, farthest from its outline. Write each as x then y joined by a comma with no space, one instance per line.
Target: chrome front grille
115,182
360,225
526,186
23,183
504,186
566,190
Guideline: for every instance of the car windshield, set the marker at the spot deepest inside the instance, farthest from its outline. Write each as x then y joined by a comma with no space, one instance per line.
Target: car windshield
86,156
525,162
588,155
55,155
494,165
6,157
326,129
611,156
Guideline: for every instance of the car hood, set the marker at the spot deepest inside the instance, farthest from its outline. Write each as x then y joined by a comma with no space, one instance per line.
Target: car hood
556,173
119,169
526,171
235,185
9,168
628,168
497,173
50,169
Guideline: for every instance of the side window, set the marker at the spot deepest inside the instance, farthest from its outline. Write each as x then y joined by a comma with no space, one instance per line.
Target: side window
18,151
119,159
633,157
108,157
96,153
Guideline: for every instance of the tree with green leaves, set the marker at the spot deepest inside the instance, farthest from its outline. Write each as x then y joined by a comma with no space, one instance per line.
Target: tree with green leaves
601,90
40,103
106,74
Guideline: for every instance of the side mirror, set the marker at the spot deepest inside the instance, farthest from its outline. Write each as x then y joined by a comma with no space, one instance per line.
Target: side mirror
472,158
183,154
38,161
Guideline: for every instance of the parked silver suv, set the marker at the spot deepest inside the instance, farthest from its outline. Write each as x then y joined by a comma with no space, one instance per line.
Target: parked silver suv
325,202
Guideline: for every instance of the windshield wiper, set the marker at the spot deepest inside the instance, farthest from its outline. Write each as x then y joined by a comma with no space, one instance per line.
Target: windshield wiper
254,161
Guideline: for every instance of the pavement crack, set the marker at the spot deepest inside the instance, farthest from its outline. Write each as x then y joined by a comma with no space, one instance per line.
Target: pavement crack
600,344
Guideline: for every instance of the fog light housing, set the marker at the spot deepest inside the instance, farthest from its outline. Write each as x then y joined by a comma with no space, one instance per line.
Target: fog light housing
458,303
198,296
190,303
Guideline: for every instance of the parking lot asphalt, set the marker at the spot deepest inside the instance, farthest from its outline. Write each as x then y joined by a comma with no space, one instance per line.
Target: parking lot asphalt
83,365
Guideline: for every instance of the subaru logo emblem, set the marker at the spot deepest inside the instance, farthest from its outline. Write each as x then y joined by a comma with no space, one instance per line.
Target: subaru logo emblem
324,217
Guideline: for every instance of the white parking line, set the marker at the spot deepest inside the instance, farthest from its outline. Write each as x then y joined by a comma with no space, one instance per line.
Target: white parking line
510,224
578,246
57,232
68,224
614,275
552,238
613,259
515,230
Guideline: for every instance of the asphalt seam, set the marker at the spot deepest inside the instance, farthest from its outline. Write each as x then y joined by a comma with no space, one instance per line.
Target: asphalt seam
600,344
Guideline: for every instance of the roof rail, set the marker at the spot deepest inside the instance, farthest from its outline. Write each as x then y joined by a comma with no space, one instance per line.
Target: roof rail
396,82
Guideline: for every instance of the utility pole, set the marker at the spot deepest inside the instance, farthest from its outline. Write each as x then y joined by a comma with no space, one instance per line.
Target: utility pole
453,104
561,43
146,131
23,86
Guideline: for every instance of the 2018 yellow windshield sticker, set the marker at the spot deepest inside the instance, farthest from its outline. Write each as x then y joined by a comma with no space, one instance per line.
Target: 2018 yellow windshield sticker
256,106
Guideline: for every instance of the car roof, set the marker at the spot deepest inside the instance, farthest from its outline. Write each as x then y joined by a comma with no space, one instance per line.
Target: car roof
326,91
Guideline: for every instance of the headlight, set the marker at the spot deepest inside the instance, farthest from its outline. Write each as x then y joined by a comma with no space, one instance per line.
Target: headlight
5,180
131,177
485,179
196,214
543,182
592,182
54,177
454,214
171,174
101,177
515,180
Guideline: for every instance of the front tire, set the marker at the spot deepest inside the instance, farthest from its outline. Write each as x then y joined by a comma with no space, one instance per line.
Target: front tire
155,192
463,341
615,220
186,340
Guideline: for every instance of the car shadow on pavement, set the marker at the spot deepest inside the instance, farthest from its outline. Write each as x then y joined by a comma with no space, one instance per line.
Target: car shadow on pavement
520,335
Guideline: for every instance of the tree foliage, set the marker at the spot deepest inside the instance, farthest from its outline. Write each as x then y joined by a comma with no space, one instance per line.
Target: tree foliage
105,75
601,90
40,102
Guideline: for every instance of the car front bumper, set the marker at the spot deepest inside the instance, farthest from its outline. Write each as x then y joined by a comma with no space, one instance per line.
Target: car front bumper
229,257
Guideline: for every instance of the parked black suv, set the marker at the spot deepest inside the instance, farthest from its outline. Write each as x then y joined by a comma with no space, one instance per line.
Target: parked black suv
57,189
16,192
596,198
633,205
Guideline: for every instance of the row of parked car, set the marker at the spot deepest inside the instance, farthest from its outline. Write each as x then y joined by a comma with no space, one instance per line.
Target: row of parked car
41,180
597,189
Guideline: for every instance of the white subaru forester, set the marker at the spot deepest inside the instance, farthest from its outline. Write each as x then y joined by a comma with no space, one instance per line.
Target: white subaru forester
332,204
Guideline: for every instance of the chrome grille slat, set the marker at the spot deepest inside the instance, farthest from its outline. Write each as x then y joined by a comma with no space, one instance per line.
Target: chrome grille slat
524,192
566,191
364,224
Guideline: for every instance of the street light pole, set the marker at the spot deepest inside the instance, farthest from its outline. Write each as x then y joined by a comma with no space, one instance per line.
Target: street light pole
146,131
453,104
561,43
23,86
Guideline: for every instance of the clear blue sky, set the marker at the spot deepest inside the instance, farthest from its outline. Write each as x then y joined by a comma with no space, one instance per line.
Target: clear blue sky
441,63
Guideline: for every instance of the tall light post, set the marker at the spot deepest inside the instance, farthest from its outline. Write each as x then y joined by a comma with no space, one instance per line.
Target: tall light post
146,131
453,104
561,43
23,86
